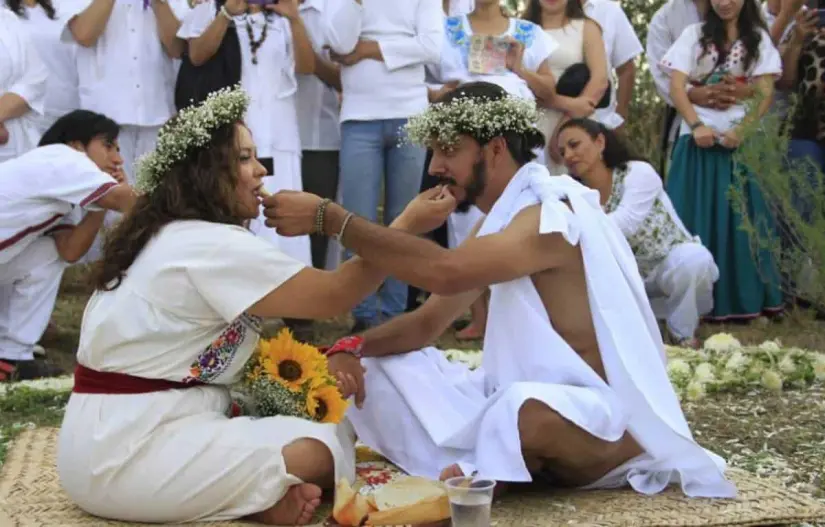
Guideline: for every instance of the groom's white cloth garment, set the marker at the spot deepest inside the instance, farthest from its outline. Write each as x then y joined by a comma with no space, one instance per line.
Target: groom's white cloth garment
425,413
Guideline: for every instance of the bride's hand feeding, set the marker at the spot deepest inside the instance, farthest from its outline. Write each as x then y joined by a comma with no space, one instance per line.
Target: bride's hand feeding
291,213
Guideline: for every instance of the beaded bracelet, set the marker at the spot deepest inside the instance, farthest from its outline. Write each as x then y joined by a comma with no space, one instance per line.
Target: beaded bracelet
320,215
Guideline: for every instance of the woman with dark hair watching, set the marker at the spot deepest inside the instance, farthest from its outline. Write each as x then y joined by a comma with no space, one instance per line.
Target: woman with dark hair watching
678,271
44,23
581,47
732,41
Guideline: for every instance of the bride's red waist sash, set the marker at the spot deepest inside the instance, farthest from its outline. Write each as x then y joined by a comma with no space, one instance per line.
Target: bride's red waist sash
87,380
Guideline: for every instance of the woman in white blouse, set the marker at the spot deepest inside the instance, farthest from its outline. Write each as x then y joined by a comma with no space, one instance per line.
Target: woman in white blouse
274,47
22,88
580,41
44,22
733,41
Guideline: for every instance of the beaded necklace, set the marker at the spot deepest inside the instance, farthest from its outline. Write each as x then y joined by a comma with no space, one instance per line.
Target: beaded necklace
254,45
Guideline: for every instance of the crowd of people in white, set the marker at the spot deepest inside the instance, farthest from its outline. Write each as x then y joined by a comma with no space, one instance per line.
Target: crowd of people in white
85,86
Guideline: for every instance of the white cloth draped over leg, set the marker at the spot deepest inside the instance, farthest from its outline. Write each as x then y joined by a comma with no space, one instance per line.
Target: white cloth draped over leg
215,468
681,288
525,358
28,289
287,176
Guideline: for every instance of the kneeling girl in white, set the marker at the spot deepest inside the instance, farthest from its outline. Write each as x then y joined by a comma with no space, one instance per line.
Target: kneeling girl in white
678,271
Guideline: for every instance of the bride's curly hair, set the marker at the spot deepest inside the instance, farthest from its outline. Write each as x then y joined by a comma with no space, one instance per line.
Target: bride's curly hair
199,187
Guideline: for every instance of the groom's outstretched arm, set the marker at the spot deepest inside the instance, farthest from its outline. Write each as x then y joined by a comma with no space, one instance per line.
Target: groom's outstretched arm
419,328
517,251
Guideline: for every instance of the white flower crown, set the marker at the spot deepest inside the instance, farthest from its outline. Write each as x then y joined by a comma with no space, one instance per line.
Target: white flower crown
479,117
189,130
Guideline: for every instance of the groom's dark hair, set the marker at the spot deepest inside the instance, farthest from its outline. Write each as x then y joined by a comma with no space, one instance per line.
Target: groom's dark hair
520,144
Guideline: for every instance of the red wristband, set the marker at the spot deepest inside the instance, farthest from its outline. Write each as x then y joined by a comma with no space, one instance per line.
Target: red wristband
351,345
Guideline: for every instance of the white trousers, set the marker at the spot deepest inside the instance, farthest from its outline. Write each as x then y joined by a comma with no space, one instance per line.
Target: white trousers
287,176
681,288
28,290
134,142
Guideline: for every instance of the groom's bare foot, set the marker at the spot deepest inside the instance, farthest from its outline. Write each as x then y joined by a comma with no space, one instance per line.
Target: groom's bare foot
297,507
454,471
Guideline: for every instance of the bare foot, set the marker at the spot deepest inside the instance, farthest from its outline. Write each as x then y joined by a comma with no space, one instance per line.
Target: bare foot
297,507
471,332
453,471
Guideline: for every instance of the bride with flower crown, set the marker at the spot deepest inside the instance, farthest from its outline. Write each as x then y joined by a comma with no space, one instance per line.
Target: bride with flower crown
180,294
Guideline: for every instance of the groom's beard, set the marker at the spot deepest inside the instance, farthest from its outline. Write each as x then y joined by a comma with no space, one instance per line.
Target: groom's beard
474,189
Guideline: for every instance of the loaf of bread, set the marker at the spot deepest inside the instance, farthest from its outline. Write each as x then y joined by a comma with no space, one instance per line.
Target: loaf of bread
406,501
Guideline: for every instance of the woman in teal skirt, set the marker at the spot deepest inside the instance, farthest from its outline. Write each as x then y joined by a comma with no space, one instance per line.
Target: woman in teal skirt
731,43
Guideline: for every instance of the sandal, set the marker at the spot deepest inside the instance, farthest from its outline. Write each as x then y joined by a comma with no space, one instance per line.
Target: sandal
27,370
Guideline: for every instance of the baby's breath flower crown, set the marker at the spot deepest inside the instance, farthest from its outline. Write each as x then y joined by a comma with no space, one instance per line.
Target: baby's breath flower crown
482,118
190,130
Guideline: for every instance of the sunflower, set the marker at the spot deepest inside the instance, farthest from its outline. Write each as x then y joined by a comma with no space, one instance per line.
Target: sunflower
291,362
325,404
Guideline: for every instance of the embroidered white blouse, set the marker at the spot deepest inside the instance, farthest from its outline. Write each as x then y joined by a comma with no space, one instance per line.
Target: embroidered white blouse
640,207
538,46
686,55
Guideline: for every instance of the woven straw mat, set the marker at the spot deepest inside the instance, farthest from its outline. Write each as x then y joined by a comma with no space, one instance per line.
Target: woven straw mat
31,496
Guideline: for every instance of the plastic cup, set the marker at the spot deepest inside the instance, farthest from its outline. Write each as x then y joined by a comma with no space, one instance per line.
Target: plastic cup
471,501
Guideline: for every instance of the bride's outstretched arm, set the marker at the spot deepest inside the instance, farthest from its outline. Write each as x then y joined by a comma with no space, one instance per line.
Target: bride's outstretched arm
316,294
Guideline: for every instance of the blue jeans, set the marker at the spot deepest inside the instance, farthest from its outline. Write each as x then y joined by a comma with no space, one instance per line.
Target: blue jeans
806,152
371,158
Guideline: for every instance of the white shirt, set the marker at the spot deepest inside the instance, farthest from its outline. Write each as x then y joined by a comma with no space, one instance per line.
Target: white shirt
126,75
60,60
665,27
271,83
179,312
538,46
461,7
410,35
621,45
318,108
39,188
23,73
684,56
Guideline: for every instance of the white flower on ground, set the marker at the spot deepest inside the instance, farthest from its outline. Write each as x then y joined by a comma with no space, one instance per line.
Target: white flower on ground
819,367
737,362
678,368
59,384
722,342
787,365
695,391
772,380
704,373
771,346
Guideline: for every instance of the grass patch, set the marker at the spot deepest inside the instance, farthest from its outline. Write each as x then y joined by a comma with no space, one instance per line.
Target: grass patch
25,408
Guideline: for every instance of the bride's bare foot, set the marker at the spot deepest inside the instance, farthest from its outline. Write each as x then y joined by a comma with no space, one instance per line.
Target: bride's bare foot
297,507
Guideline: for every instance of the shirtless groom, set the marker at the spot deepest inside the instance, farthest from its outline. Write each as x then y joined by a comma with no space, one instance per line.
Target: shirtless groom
573,385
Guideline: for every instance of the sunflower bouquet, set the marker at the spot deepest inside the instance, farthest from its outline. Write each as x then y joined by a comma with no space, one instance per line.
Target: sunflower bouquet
291,378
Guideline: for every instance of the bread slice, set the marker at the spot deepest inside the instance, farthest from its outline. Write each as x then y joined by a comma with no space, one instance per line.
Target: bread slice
350,508
410,501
